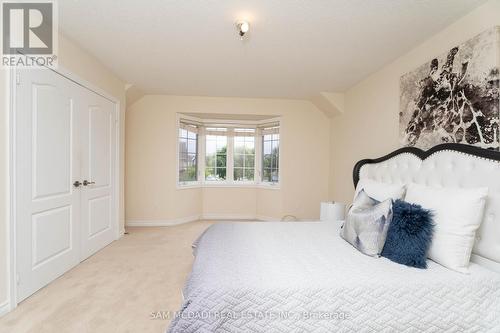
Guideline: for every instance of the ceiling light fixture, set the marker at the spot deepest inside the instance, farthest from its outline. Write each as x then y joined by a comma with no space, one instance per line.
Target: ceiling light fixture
243,27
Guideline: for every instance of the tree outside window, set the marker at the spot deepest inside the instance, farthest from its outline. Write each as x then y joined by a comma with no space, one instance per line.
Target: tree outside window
216,157
188,154
270,158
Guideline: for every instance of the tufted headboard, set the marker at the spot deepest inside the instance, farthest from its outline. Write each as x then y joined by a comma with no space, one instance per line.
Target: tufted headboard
447,165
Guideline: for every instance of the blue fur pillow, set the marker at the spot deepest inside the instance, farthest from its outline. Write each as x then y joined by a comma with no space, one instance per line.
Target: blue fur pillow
410,235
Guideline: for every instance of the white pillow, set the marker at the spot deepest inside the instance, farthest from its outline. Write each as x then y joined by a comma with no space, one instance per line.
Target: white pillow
457,215
380,191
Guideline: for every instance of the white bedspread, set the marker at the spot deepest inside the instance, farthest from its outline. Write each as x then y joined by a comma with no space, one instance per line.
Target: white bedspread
302,277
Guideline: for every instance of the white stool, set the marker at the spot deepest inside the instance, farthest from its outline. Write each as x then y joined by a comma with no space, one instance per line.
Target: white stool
332,211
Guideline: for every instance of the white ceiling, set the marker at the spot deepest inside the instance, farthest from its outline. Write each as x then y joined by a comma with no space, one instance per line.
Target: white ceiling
296,48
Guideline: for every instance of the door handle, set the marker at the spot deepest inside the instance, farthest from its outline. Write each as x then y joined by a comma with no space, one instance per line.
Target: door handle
86,183
77,184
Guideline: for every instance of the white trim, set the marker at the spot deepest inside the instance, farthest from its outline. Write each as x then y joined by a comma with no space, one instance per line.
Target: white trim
228,184
226,217
200,158
12,286
61,70
84,83
5,308
258,157
189,118
176,140
229,156
117,188
188,185
234,184
267,218
160,222
239,217
269,186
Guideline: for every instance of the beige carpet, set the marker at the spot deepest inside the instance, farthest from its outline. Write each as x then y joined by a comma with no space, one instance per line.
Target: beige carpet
117,289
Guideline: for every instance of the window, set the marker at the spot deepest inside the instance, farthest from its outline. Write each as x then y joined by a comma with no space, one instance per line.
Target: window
228,153
188,153
270,154
244,154
216,154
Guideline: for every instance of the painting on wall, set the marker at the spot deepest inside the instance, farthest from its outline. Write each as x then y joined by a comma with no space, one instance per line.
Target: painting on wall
454,98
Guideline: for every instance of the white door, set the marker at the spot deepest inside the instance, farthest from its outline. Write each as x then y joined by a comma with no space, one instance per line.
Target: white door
48,204
65,134
98,133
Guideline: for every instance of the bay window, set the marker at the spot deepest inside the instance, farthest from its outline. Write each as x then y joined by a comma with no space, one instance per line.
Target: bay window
188,152
229,153
244,155
270,154
216,154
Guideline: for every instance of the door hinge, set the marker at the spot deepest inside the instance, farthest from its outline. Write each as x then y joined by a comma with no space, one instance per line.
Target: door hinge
18,279
18,78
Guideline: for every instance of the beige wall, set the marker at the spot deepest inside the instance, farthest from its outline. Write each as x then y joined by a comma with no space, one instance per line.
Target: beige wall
229,202
369,126
85,66
151,139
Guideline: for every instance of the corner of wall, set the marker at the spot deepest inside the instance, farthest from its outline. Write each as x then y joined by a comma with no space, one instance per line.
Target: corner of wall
331,104
133,94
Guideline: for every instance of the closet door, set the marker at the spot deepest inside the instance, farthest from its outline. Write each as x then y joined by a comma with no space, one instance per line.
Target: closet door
98,133
47,198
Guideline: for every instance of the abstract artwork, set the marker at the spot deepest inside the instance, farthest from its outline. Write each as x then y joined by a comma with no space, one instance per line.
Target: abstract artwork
455,97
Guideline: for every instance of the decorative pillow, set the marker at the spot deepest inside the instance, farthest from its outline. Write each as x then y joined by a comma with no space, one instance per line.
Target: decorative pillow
367,223
457,215
410,234
380,191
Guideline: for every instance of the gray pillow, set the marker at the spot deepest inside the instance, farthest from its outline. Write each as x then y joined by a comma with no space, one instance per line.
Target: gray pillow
367,223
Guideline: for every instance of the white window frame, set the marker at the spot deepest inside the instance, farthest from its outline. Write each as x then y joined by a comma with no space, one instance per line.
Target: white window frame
255,168
228,157
261,144
184,183
196,183
230,125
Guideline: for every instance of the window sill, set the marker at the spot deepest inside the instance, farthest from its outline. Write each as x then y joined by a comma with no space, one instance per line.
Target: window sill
187,186
268,186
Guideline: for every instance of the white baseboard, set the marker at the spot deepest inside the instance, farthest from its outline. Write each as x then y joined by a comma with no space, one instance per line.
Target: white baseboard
4,308
160,223
267,218
226,217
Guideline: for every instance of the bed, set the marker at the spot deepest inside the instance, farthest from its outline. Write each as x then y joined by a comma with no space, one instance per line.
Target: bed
302,277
